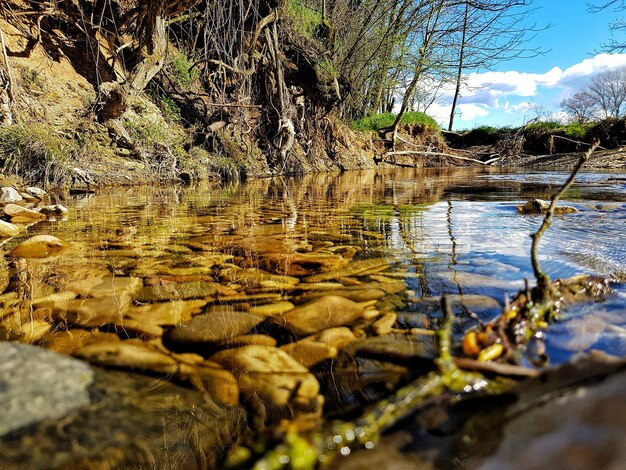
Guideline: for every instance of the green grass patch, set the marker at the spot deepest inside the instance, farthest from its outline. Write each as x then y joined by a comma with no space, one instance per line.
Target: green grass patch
383,120
490,130
181,68
147,133
170,109
303,18
571,130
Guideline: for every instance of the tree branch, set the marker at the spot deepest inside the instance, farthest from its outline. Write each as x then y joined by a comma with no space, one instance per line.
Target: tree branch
542,278
436,154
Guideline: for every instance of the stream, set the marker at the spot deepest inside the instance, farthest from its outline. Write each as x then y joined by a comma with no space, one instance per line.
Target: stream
144,262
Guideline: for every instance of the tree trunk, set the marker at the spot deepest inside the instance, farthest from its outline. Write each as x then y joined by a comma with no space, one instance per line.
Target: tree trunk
459,73
6,87
427,44
419,69
115,97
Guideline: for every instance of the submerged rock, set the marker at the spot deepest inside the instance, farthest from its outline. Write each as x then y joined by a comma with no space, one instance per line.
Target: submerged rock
105,303
4,280
252,277
220,384
284,387
302,264
134,422
129,354
354,293
169,290
70,341
323,345
272,309
39,246
355,268
350,383
14,329
36,384
384,325
249,340
215,326
166,313
325,312
400,348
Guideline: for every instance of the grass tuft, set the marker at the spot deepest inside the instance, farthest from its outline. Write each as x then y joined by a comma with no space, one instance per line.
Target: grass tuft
183,72
304,19
35,154
383,120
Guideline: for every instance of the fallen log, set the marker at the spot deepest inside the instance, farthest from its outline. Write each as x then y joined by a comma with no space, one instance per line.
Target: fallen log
434,154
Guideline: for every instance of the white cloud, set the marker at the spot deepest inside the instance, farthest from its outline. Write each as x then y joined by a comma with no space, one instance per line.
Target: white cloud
482,93
522,107
469,112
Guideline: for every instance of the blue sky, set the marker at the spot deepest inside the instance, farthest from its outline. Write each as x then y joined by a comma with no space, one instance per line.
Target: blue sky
511,92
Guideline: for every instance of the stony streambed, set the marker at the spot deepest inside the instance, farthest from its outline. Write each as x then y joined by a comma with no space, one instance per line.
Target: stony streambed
268,306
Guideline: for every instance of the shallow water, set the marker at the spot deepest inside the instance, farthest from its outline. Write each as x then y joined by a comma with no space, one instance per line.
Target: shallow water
458,229
439,231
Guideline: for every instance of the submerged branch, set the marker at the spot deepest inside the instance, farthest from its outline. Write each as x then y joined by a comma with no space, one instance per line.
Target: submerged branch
542,278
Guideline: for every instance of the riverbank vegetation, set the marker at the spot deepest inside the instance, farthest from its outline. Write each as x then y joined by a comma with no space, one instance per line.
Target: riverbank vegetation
258,87
172,89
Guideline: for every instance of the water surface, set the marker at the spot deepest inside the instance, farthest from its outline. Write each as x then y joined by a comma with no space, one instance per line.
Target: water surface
447,230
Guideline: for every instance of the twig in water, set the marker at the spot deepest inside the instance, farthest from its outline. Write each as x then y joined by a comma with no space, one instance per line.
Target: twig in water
543,280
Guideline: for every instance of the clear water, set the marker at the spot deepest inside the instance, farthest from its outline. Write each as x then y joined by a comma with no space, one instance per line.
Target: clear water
459,229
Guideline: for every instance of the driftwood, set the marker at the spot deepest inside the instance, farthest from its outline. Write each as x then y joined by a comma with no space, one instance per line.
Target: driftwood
552,137
435,154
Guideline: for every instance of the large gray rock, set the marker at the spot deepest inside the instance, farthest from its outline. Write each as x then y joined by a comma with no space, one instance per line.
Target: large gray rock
9,195
134,422
36,384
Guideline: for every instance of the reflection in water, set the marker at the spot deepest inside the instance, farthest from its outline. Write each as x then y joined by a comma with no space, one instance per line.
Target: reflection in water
457,229
373,248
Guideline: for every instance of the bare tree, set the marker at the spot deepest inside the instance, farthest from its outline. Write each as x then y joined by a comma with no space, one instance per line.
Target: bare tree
618,26
490,31
429,37
608,91
581,107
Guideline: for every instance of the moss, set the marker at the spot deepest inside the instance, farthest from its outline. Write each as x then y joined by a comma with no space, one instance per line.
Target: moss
307,21
325,69
183,71
238,156
170,109
384,120
147,133
34,153
32,79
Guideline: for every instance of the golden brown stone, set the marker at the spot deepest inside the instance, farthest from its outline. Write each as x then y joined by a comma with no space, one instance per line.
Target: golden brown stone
39,246
322,313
